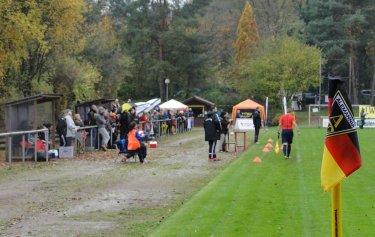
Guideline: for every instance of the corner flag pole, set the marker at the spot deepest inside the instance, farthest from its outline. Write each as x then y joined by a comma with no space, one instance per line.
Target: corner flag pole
341,155
336,211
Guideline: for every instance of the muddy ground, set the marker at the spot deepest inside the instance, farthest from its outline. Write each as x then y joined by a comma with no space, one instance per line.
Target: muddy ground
91,195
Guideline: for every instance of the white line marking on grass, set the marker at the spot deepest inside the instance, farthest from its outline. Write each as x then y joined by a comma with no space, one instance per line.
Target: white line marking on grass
307,221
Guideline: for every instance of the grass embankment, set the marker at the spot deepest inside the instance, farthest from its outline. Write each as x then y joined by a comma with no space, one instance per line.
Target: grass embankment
278,197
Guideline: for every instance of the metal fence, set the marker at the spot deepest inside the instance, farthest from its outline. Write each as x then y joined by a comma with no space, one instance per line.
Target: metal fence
27,144
318,112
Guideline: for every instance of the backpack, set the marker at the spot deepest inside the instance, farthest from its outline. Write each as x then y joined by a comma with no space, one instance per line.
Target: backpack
61,126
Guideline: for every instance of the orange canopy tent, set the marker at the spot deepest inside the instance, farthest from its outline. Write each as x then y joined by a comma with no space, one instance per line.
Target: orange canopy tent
247,106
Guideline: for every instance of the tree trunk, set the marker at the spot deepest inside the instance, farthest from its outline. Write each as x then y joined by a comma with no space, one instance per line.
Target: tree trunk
372,87
189,86
163,27
355,78
162,75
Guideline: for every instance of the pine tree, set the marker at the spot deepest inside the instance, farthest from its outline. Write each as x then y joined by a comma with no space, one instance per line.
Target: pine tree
247,35
369,39
336,26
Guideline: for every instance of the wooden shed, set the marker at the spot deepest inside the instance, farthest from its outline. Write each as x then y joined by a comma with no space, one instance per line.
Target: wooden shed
199,106
31,112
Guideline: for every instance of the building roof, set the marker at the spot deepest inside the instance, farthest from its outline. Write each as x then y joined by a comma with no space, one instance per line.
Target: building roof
39,98
197,99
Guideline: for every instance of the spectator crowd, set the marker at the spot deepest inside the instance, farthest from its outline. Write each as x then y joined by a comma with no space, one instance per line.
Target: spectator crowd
112,124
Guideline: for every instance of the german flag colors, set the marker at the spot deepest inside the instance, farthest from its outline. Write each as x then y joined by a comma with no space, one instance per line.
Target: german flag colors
341,156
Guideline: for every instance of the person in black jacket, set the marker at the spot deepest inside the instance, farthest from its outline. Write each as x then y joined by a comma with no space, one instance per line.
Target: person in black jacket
124,121
61,128
212,133
257,123
91,122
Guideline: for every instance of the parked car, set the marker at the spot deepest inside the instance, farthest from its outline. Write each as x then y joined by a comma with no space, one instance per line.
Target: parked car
366,93
309,98
365,96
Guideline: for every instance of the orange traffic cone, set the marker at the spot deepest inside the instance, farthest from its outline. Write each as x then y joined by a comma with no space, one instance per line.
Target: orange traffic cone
269,145
270,140
266,149
257,160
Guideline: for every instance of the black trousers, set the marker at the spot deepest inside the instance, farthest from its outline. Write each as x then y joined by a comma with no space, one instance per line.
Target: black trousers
211,149
62,138
142,152
256,134
69,141
362,123
124,134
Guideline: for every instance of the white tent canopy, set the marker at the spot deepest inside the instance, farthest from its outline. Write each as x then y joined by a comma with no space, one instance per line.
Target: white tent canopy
173,104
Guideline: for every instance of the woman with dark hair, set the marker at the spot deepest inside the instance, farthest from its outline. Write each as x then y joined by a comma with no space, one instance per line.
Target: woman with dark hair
169,122
101,122
225,121
61,128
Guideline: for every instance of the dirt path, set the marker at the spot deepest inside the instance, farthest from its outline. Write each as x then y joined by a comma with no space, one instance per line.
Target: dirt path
92,196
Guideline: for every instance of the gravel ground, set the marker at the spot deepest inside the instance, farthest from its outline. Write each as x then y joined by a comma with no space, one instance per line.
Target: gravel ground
91,195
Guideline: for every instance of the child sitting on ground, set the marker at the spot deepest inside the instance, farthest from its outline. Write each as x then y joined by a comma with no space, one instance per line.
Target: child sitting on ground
135,143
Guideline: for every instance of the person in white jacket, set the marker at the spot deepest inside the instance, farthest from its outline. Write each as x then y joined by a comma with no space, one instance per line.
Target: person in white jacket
71,128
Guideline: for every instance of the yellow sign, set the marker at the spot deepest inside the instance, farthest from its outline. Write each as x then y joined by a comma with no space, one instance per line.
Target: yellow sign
370,111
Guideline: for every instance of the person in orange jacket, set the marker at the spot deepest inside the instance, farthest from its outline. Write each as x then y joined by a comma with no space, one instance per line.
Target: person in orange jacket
135,143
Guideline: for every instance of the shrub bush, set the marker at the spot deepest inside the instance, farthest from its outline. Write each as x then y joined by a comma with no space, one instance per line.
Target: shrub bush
275,120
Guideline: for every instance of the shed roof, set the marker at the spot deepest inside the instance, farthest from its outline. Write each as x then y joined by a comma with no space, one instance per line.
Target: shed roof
199,100
39,98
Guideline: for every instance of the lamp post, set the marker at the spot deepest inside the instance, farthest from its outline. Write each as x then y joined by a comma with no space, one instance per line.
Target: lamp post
167,81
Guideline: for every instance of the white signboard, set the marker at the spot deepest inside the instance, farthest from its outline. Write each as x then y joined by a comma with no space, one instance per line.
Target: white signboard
244,124
66,152
369,123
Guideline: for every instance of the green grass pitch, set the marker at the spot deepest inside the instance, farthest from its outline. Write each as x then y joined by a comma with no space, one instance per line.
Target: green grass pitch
279,197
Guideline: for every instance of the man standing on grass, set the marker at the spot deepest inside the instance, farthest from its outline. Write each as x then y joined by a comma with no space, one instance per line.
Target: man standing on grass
286,123
363,118
212,128
257,123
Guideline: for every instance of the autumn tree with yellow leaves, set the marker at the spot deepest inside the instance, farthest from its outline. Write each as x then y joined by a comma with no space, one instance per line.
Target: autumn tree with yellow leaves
247,35
38,40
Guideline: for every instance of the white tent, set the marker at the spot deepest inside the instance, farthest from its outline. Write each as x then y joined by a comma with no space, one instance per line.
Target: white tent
173,104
